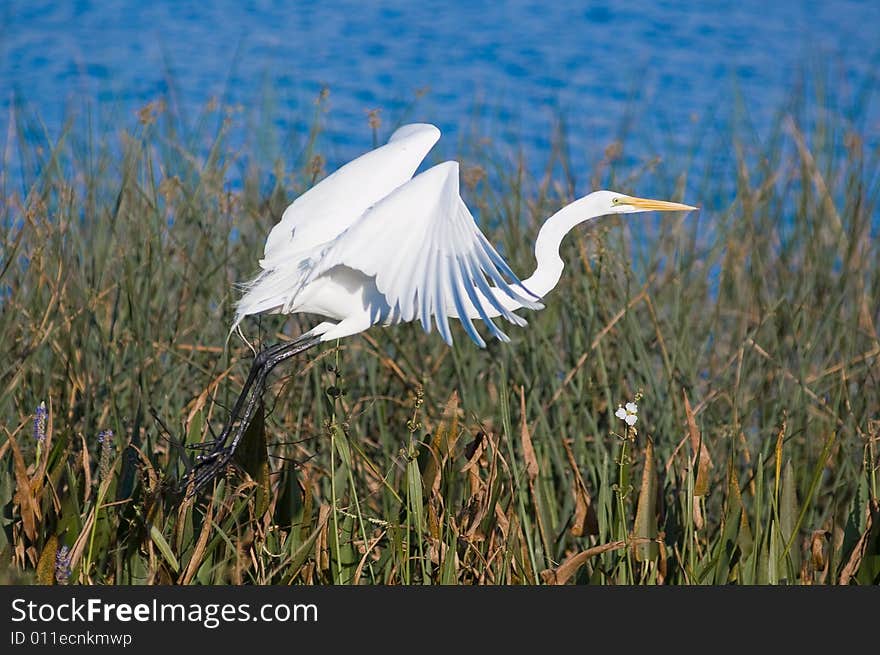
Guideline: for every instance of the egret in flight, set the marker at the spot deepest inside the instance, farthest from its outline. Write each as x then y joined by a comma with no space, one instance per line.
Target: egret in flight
373,245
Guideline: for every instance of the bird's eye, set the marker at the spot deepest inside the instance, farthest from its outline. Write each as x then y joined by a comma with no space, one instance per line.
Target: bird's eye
615,201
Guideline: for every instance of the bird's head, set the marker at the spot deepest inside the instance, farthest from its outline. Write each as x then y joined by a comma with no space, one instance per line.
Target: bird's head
612,202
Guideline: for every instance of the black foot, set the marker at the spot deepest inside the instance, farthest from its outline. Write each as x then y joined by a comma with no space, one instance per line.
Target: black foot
205,445
207,468
217,453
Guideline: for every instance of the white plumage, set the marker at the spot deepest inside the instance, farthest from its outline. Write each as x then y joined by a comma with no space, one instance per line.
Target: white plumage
371,244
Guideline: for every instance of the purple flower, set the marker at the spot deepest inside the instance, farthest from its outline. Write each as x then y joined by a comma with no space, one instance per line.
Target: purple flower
41,418
62,565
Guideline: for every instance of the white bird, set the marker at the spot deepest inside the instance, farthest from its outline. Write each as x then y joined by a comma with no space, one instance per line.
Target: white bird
373,245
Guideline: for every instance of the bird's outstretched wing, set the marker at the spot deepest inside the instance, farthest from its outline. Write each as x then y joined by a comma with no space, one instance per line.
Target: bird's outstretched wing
429,258
327,209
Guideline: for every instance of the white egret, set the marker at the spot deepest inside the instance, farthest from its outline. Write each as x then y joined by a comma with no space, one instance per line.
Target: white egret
373,245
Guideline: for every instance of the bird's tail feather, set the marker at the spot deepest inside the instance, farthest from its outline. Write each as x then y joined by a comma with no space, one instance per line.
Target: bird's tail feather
274,289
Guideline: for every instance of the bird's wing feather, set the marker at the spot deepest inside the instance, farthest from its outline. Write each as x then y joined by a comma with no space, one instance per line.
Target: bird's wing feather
428,257
327,209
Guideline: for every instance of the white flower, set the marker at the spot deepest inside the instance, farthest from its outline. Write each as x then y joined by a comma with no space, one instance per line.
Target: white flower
628,414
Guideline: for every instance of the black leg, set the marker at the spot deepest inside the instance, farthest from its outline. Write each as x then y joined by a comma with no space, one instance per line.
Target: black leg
210,464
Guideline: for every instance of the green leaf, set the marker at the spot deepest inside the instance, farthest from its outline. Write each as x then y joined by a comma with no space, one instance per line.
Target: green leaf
300,554
414,488
342,446
164,548
196,426
253,456
645,526
788,515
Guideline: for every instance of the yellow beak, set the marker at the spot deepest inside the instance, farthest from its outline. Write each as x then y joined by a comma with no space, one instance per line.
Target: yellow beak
656,205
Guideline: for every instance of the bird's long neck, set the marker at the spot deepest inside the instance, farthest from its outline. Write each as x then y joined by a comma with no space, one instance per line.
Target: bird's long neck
549,263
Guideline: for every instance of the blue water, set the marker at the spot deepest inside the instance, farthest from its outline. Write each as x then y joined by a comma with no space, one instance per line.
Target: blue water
653,68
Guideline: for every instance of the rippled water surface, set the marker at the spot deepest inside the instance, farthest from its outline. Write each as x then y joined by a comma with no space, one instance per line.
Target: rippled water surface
662,64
